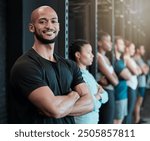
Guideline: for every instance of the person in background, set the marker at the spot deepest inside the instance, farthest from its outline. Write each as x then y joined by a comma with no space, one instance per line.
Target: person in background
141,81
106,77
81,52
46,87
132,83
121,89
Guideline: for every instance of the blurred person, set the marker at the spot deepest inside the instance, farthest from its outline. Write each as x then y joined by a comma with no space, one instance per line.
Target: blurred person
107,78
141,81
81,52
46,87
132,83
123,74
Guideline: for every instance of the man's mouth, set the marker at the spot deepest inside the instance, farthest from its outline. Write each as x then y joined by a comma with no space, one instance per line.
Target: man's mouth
49,33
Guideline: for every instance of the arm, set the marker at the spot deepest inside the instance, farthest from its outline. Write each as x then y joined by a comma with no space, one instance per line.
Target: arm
133,70
85,102
145,69
111,77
101,95
125,74
99,92
103,81
143,66
50,105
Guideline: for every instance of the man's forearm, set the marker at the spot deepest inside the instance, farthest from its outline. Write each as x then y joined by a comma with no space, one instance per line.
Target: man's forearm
82,106
65,104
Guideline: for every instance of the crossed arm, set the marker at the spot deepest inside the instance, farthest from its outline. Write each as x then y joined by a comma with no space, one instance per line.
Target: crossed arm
112,77
77,102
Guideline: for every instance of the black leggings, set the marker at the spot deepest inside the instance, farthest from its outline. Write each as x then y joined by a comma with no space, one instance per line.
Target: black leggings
131,104
107,110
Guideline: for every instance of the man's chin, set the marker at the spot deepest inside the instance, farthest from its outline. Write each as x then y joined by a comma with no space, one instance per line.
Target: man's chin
45,40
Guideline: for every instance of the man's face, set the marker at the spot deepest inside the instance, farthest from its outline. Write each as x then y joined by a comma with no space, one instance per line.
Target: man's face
106,43
142,50
120,46
46,26
132,49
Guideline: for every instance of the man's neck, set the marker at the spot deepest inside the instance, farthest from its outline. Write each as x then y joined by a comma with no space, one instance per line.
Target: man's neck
100,50
137,55
45,51
118,54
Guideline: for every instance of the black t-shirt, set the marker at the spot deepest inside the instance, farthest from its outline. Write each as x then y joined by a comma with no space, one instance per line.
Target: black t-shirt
30,72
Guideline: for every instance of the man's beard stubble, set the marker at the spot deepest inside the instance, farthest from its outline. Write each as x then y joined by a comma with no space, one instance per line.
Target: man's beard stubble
44,41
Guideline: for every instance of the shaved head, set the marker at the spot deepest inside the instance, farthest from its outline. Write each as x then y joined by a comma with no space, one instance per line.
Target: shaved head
44,24
37,11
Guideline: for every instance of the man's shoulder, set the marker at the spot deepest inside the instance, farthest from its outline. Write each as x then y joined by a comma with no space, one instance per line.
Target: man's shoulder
24,62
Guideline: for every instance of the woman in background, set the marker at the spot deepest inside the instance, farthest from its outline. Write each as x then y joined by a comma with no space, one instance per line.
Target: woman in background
81,52
132,83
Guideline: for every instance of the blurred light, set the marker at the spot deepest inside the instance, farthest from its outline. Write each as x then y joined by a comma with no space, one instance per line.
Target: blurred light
121,16
129,22
121,0
110,7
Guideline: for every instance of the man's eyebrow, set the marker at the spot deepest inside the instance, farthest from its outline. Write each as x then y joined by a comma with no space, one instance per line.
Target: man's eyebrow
55,18
42,19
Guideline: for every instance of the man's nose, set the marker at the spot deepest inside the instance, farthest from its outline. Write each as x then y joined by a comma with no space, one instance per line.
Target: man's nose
49,24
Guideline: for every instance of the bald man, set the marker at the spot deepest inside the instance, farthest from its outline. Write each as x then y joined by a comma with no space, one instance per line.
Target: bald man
46,87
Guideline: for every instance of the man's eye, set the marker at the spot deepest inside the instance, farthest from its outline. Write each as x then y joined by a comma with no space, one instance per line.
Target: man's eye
54,21
42,22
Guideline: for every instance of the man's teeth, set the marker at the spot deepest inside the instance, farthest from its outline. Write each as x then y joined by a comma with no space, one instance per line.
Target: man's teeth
49,32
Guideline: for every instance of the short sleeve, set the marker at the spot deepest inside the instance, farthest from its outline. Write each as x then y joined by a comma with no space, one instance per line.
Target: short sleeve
119,66
26,77
77,75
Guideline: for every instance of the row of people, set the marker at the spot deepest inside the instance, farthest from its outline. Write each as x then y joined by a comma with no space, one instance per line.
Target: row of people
47,88
120,80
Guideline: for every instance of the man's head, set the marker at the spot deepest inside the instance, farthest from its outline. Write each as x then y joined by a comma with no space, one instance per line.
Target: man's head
130,48
141,50
44,24
104,41
119,45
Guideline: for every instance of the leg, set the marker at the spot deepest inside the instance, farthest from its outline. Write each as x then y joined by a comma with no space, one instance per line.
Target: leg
106,113
131,105
138,104
137,109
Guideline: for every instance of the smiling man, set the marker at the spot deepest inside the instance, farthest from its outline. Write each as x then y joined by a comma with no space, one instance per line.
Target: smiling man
46,87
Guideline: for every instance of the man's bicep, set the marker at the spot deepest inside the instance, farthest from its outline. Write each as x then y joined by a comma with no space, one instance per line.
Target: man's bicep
49,104
44,99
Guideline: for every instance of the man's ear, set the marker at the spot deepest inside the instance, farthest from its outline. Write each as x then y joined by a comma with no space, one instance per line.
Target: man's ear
31,27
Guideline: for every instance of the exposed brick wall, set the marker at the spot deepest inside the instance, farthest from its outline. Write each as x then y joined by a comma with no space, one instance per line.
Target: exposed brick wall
3,113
